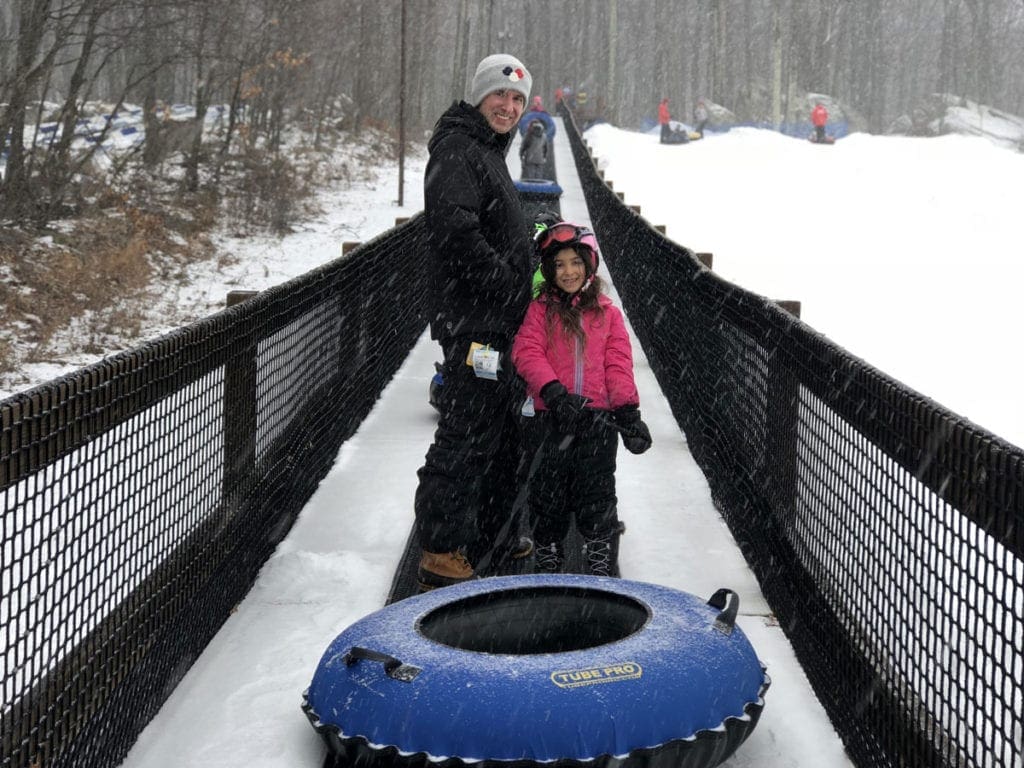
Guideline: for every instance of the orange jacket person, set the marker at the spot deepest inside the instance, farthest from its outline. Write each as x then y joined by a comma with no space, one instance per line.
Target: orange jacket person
663,119
819,116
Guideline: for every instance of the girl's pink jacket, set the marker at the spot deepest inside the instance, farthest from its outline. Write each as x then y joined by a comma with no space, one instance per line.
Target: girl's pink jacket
601,370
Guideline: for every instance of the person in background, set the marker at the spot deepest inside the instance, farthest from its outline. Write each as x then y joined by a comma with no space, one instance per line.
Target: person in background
664,119
700,117
480,285
534,113
574,353
819,117
533,152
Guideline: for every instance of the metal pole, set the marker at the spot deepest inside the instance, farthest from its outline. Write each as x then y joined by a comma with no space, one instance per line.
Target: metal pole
401,113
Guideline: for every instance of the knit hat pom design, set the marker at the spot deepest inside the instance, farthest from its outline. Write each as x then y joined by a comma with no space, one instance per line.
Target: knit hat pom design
499,71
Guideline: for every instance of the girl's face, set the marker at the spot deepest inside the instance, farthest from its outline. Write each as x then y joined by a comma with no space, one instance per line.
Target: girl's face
570,270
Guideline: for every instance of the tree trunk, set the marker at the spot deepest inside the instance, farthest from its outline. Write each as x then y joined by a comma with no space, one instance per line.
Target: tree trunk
17,196
949,59
57,171
776,48
981,50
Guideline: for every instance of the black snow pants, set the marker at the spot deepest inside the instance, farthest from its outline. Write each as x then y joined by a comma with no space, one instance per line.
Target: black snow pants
570,476
468,482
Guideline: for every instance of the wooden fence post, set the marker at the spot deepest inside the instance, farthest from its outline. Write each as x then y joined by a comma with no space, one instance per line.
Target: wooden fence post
782,431
239,408
237,297
791,306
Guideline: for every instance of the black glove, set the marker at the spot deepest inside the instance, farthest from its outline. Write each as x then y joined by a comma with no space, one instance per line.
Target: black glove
635,434
569,410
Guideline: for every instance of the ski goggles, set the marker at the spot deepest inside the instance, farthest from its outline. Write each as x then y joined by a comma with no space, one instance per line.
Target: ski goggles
566,235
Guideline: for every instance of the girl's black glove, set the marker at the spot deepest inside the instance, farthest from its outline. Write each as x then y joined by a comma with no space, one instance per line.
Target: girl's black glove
635,434
569,410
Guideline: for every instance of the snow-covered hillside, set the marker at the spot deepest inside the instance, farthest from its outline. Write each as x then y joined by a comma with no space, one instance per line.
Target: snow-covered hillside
906,251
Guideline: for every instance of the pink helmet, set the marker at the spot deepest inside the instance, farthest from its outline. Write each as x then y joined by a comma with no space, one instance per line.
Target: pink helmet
565,234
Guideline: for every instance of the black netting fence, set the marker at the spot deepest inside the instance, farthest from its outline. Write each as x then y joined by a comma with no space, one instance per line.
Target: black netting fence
140,496
887,532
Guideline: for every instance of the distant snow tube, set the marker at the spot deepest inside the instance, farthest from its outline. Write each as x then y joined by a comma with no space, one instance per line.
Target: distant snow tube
544,117
544,187
540,670
538,196
676,137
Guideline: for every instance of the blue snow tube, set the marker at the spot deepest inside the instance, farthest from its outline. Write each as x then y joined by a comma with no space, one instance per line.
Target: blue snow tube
540,670
537,188
544,117
537,197
434,388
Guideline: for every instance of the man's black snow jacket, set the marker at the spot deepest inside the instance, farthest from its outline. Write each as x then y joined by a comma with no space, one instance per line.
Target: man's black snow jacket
479,246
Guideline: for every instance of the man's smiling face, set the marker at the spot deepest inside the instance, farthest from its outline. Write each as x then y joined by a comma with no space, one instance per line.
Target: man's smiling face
502,109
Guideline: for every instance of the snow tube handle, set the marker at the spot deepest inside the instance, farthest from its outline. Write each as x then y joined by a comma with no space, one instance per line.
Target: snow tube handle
726,620
393,668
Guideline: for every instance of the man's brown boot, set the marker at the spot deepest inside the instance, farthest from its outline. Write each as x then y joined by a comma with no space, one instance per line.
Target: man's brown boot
521,547
442,569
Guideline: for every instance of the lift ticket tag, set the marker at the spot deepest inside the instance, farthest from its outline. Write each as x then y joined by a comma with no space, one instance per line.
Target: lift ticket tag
484,361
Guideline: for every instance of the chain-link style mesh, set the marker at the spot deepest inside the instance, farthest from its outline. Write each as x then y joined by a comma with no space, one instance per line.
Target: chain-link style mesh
887,533
139,497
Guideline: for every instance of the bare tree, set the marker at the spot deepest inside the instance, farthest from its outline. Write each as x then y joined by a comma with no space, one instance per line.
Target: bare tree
333,62
979,60
32,64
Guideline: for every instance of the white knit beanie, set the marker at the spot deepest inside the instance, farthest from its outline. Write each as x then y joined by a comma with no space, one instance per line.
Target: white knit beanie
496,72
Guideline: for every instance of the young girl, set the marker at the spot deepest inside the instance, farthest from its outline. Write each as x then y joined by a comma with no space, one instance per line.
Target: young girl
574,354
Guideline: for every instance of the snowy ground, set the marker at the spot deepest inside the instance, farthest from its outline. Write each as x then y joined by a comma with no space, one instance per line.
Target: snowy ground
905,251
337,563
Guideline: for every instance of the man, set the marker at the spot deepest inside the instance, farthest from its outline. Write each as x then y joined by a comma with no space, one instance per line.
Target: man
480,268
700,117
